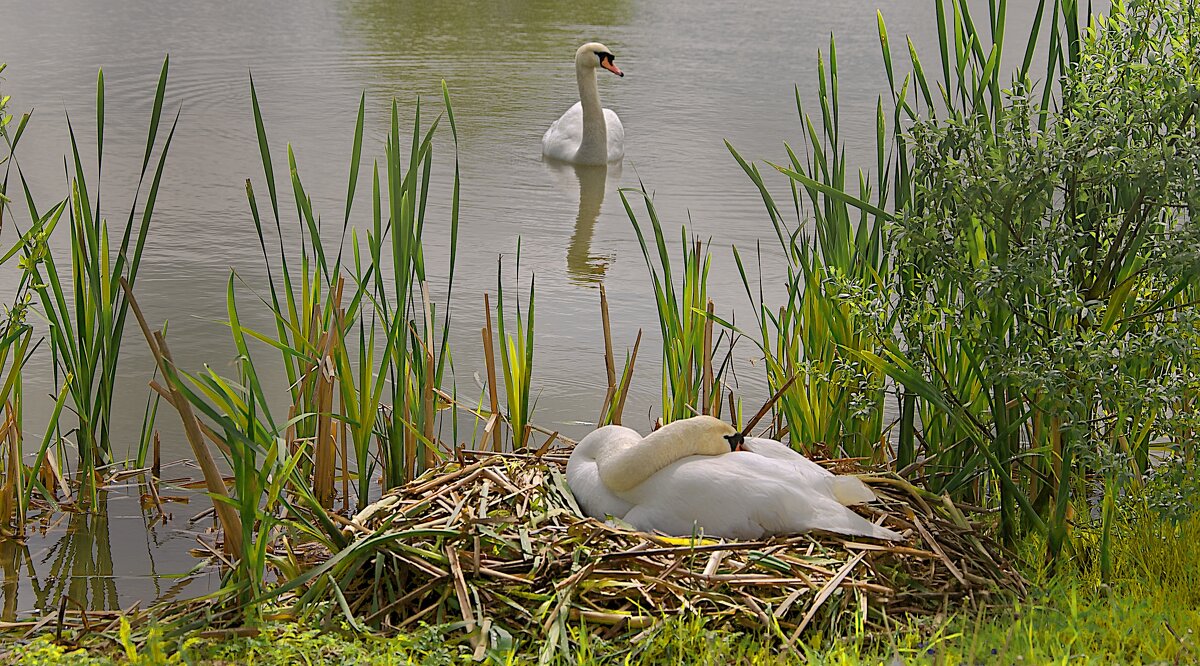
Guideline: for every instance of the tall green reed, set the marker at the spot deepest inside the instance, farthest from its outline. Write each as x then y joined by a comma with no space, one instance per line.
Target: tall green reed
691,382
15,338
353,332
836,271
83,304
374,347
516,354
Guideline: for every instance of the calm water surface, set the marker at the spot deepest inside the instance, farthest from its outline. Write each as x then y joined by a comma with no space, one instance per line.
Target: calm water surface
698,72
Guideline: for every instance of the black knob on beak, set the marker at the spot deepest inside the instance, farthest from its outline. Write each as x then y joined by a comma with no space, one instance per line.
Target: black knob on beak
735,441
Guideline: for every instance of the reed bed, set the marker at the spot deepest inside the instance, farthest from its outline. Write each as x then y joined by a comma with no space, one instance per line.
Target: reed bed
495,547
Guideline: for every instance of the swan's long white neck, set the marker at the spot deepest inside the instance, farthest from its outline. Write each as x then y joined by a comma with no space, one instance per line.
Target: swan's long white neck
629,459
593,148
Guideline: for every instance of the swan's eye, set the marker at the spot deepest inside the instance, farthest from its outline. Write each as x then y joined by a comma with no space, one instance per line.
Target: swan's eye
605,57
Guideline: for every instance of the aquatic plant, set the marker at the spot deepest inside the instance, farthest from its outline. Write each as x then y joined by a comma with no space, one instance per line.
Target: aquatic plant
85,306
516,355
690,384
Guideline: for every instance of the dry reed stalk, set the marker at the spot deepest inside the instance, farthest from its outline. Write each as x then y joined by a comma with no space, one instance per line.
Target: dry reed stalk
12,518
216,440
706,388
623,391
489,355
231,524
345,439
323,463
156,461
762,411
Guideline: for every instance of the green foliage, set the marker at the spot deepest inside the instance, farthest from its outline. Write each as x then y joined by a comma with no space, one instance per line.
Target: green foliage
345,353
1022,264
1045,258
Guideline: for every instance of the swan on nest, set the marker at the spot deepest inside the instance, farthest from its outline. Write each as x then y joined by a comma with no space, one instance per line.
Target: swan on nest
701,475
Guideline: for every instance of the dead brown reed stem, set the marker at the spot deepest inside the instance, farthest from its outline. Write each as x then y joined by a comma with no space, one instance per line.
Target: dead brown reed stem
428,378
323,463
345,435
490,356
12,518
156,462
762,411
231,524
706,388
609,364
322,374
627,380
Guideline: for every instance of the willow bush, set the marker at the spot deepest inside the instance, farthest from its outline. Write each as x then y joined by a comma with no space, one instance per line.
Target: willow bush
1022,263
1060,251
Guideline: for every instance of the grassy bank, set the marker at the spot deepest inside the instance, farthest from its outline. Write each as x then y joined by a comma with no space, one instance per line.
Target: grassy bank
1145,614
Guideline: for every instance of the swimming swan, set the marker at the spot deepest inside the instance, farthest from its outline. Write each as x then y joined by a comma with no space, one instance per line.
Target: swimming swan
685,478
587,133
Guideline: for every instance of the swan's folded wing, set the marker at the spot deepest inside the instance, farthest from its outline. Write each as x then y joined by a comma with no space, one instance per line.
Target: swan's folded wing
847,490
561,140
740,496
616,135
774,450
583,475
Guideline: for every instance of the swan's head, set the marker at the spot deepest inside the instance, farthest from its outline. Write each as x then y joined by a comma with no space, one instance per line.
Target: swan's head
595,54
709,435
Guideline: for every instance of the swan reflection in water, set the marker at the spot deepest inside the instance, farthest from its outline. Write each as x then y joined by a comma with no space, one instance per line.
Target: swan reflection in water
583,267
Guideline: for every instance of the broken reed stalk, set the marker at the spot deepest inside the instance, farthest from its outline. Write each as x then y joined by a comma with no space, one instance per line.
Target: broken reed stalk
626,380
11,515
490,356
609,363
762,411
156,464
707,380
324,463
231,524
345,433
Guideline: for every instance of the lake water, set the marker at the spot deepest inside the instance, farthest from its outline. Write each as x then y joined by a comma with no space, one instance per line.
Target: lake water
697,73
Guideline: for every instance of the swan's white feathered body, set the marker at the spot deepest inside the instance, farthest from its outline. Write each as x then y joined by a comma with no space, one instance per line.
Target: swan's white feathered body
563,139
587,133
683,479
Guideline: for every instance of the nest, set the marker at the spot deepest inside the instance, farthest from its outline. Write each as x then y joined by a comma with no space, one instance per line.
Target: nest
496,545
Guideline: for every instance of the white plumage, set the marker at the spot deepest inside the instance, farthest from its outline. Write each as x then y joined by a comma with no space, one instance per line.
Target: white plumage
683,479
587,133
562,140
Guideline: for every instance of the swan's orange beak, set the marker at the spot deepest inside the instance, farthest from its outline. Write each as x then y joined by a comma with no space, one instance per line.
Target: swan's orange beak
607,63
